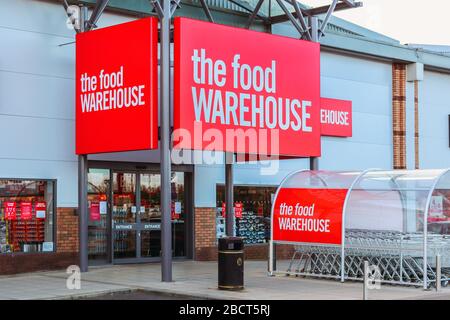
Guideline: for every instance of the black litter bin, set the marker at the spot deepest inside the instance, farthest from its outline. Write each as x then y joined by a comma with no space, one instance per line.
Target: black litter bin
231,263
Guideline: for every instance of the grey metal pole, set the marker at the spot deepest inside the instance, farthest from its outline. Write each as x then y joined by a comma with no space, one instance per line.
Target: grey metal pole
82,186
438,272
165,162
314,25
366,280
229,222
83,211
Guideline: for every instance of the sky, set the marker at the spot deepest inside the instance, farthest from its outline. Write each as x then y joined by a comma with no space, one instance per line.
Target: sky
409,21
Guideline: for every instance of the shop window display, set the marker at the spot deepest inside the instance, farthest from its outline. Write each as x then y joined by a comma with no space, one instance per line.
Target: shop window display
26,216
252,207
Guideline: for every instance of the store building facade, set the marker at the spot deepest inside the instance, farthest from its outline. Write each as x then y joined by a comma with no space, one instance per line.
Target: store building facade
400,110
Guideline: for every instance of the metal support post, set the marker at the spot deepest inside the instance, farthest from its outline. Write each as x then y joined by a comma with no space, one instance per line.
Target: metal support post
82,185
314,29
438,272
314,163
165,161
229,222
83,211
366,281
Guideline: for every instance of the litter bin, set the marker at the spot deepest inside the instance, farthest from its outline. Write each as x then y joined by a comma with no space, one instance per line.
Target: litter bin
231,263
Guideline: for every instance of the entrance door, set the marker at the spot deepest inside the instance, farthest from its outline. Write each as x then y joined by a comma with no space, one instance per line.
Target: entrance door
136,216
150,214
124,216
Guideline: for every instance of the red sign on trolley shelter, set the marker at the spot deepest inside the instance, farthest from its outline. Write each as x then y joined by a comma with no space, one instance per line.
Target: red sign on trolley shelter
308,215
261,87
116,88
336,117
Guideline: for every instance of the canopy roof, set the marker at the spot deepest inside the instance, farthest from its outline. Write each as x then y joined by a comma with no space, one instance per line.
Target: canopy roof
394,200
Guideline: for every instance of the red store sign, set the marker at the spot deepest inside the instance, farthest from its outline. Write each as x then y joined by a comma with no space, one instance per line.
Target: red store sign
336,117
116,88
233,86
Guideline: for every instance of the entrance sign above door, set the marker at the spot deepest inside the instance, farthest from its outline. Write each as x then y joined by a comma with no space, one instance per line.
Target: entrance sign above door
116,88
244,91
336,117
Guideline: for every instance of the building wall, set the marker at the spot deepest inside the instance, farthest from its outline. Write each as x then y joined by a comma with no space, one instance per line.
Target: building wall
434,108
37,94
368,84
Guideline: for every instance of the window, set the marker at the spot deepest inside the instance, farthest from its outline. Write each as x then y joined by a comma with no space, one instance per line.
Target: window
253,223
26,216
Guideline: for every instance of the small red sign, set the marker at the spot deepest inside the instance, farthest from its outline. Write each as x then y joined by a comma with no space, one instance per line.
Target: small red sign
10,210
308,215
261,211
238,208
336,117
95,211
25,211
224,209
41,210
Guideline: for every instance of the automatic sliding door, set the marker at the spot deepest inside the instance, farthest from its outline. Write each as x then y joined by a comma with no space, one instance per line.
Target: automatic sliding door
124,215
150,216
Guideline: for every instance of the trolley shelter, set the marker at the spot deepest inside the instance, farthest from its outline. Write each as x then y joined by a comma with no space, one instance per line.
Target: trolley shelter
396,220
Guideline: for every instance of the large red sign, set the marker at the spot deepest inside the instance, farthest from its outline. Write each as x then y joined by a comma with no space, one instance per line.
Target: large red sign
244,91
116,88
336,117
308,215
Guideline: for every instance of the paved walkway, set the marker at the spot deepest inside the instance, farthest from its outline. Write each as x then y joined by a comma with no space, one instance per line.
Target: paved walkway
197,279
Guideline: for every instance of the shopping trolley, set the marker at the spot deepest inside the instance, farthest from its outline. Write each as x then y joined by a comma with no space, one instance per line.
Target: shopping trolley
398,256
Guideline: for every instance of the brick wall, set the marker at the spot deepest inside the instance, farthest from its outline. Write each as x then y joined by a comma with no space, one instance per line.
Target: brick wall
399,115
67,230
205,234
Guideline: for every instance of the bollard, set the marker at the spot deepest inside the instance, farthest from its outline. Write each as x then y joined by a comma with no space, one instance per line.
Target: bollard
438,272
366,281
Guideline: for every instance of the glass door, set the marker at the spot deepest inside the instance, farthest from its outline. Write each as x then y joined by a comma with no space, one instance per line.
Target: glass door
125,216
99,223
136,216
150,215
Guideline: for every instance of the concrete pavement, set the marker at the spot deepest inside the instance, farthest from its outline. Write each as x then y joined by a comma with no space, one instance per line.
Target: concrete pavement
197,279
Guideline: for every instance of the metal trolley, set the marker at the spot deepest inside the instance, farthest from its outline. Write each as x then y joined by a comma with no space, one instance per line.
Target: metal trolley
398,256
